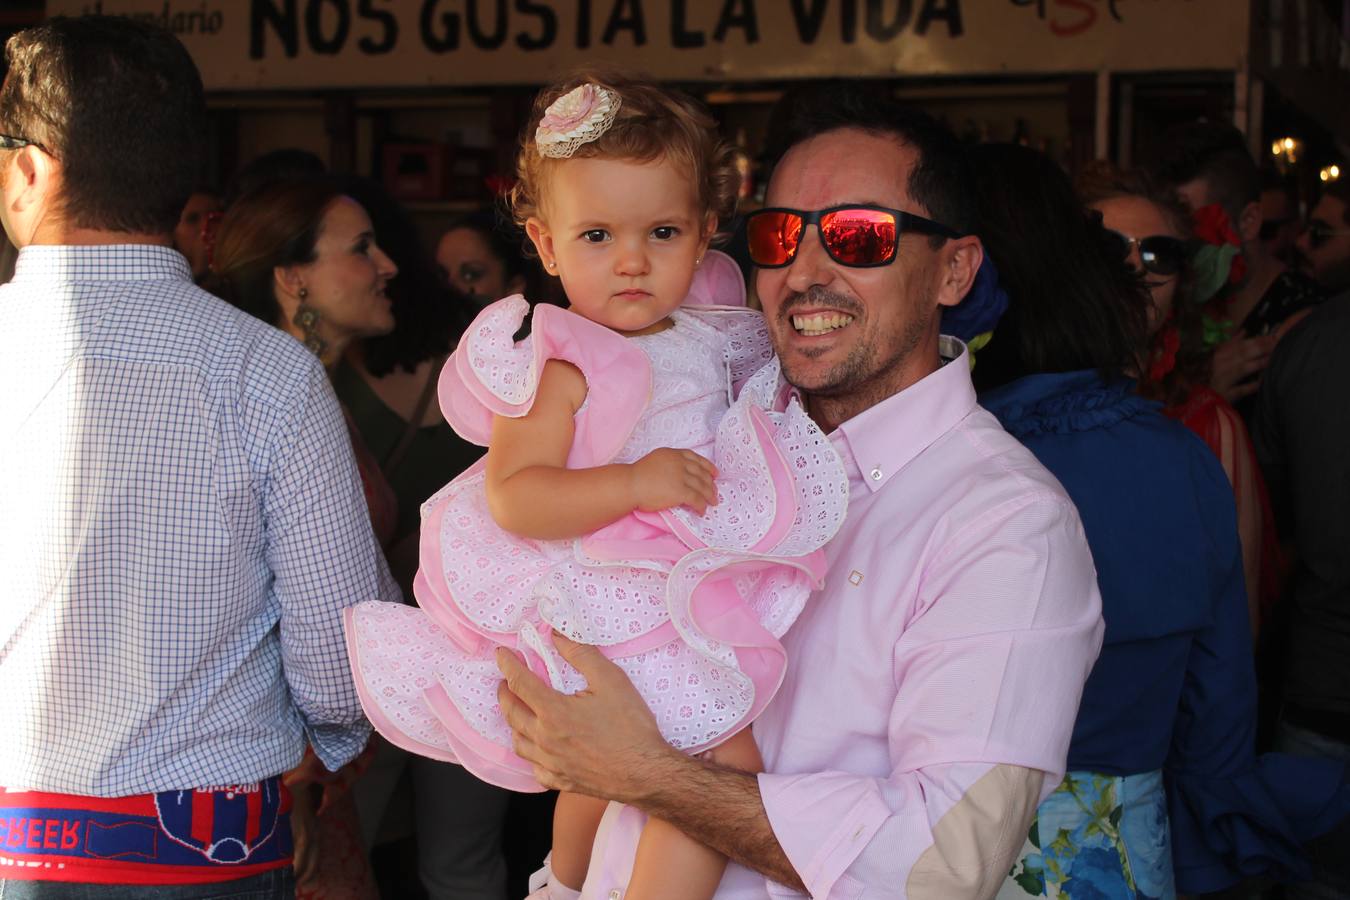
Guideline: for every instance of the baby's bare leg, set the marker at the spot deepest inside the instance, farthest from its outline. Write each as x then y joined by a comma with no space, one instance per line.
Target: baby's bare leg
575,820
670,865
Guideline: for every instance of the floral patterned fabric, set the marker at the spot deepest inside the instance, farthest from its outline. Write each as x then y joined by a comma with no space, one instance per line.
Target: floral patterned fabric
1098,837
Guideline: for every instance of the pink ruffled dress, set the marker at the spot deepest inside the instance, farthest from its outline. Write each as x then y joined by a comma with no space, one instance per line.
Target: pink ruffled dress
690,606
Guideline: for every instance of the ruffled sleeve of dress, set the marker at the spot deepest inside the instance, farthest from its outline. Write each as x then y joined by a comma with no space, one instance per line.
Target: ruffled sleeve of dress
491,374
1234,813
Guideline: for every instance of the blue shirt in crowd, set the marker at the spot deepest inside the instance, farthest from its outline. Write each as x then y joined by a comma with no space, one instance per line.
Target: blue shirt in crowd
1174,688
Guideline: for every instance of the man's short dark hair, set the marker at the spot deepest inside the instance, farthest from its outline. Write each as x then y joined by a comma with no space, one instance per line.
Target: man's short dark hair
939,181
1214,152
119,104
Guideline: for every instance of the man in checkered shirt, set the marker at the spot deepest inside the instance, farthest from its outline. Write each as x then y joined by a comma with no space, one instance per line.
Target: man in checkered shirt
183,521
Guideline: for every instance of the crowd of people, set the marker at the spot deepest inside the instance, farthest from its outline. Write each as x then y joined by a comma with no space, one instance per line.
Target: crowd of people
990,542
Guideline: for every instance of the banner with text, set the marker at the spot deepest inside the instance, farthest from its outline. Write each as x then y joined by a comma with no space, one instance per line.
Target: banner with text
279,44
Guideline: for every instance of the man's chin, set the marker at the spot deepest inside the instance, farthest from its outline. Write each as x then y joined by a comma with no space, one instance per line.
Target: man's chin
819,380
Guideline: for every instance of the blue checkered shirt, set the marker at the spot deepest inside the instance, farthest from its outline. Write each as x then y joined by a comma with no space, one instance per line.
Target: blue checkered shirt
182,524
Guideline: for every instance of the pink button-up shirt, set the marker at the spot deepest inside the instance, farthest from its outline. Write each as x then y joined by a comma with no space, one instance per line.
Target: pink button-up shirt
958,622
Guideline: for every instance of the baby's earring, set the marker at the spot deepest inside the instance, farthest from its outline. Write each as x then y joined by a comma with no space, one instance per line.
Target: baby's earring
697,260
551,264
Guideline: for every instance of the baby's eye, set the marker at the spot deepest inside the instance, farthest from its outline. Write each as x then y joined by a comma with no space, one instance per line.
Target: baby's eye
595,236
665,232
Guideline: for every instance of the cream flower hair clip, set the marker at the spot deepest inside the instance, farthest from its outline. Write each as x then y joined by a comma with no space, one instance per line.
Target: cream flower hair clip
578,117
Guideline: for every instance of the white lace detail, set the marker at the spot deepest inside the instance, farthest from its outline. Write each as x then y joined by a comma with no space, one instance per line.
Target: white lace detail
400,650
746,501
602,606
820,480
503,368
689,395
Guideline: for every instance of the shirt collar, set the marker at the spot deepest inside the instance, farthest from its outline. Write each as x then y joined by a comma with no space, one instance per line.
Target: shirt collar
99,262
881,440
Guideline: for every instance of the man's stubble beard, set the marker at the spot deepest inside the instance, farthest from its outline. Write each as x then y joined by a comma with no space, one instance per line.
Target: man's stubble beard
862,376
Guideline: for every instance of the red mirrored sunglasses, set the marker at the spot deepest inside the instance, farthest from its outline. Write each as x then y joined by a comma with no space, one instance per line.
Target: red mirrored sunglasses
859,236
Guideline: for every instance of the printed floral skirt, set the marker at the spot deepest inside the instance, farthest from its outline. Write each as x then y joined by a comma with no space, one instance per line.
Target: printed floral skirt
1098,837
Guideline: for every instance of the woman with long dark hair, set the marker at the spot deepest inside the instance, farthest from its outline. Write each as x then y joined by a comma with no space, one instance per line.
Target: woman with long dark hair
1164,791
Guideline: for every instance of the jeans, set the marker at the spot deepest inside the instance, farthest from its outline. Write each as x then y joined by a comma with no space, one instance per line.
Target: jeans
277,884
1330,855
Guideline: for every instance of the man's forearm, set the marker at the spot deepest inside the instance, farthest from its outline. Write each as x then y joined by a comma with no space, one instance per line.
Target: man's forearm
719,807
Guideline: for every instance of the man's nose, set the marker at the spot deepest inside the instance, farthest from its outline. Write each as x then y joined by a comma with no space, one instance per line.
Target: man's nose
811,266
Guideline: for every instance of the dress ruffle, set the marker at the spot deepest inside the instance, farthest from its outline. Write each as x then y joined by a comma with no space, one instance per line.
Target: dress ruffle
1255,822
691,607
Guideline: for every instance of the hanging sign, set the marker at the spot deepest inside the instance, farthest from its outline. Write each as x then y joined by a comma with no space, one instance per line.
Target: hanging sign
284,44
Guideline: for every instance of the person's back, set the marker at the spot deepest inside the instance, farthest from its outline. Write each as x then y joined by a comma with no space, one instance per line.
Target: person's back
148,426
185,518
1163,746
1303,438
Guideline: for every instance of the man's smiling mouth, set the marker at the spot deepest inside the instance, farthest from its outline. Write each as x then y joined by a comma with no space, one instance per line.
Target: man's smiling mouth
820,323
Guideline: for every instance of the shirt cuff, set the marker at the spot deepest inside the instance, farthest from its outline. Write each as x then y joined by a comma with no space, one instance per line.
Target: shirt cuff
337,745
823,821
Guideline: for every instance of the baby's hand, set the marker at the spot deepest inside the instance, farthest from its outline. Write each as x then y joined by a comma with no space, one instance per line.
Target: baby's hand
665,478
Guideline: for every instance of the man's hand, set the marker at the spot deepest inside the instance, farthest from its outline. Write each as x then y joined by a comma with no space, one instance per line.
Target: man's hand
1236,360
602,741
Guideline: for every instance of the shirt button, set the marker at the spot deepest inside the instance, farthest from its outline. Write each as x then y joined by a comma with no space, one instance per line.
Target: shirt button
876,474
616,894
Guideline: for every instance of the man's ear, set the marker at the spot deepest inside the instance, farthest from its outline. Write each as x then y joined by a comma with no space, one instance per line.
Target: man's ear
962,259
31,181
1248,225
542,238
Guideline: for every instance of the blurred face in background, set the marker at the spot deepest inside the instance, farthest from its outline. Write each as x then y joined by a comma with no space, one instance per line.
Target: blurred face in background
188,236
1325,244
1279,223
1135,219
466,259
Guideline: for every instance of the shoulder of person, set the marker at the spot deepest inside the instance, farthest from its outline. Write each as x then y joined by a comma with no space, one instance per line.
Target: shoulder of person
1316,344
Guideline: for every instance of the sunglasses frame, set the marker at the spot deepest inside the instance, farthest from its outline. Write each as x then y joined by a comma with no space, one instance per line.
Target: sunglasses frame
10,142
904,221
1138,243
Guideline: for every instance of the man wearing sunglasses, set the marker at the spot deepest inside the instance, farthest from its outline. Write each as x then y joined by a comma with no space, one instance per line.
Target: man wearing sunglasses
1325,241
182,518
933,680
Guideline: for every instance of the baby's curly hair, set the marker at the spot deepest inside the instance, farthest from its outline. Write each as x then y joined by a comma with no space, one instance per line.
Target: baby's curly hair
653,122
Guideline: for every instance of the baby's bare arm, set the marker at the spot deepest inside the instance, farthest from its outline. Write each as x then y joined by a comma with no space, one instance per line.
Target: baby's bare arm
533,494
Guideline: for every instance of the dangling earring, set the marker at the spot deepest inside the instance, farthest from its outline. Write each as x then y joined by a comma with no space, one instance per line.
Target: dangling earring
307,320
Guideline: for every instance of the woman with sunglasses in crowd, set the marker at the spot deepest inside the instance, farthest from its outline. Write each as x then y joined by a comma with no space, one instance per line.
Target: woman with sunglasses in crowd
1163,792
1151,229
